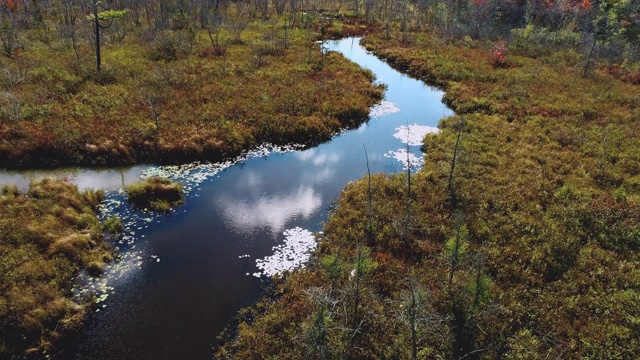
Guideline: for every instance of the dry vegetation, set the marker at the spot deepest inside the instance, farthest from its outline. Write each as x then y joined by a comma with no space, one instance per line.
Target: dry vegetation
527,247
162,95
47,235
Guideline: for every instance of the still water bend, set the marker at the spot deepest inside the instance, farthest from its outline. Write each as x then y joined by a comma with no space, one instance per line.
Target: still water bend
183,276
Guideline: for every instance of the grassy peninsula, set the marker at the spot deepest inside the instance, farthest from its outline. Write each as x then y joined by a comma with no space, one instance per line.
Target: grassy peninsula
155,194
171,97
518,239
47,235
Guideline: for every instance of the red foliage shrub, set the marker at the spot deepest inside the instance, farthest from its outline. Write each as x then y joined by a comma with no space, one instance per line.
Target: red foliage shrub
586,5
500,54
11,4
633,78
614,70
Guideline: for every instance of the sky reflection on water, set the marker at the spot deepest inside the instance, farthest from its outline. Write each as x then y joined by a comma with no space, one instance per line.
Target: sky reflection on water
269,212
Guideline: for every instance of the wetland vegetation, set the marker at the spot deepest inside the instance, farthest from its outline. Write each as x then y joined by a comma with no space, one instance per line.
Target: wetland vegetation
165,92
49,234
155,194
518,238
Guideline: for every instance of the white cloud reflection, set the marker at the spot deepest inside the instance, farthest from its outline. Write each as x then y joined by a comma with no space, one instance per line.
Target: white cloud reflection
413,134
324,162
383,108
253,180
270,211
318,158
323,175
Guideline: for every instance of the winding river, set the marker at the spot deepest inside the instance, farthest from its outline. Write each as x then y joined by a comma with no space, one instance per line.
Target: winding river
182,277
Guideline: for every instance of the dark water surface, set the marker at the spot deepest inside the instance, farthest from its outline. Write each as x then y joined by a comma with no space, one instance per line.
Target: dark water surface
182,277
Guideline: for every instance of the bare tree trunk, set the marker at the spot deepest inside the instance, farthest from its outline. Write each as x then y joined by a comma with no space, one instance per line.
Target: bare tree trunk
455,258
369,199
454,204
588,62
356,304
408,215
412,320
97,33
74,44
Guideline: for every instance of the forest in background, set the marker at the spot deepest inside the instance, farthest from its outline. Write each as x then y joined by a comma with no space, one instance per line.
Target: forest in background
600,29
519,237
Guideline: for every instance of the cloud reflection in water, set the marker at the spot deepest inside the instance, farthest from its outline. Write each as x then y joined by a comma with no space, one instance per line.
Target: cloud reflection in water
258,202
270,211
318,158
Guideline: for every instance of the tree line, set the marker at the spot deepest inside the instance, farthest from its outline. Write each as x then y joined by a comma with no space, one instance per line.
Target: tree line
608,29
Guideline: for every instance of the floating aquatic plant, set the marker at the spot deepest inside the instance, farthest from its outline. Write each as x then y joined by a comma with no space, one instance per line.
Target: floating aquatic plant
407,160
192,175
382,109
292,254
413,134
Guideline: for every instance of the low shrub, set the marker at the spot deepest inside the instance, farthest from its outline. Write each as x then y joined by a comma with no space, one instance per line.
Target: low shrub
539,40
113,226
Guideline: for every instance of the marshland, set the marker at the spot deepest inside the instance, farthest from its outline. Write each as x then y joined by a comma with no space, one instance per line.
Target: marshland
330,206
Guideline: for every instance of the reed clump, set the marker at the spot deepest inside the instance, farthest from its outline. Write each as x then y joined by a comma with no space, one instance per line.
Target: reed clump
155,194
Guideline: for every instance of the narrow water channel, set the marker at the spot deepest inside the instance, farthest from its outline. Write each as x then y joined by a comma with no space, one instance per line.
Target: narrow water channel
183,276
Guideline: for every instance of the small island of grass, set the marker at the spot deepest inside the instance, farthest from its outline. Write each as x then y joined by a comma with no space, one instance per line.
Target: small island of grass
155,194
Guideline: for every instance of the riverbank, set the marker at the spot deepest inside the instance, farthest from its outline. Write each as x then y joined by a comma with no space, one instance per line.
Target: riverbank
49,234
518,238
172,99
